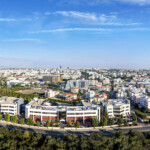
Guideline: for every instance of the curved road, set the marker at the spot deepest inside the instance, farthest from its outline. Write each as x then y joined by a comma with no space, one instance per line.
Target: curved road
61,132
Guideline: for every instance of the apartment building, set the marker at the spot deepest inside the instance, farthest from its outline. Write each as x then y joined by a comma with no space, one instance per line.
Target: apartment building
104,88
39,109
145,101
53,79
116,107
67,96
51,93
90,94
99,98
10,105
121,94
79,83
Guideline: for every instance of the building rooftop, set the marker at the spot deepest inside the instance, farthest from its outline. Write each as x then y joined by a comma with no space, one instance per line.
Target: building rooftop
37,102
87,103
116,102
8,100
44,105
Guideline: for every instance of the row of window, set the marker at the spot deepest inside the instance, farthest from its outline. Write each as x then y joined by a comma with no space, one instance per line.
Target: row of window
43,112
86,113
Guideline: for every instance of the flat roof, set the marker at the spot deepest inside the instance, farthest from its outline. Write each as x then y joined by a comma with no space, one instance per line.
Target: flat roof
117,102
8,100
44,105
38,102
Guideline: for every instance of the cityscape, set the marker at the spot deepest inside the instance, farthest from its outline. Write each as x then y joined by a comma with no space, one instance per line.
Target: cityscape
74,75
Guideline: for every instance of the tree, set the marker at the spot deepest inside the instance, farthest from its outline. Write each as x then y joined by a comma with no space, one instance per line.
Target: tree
1,117
21,120
126,123
7,117
112,121
79,100
141,114
37,123
47,123
94,122
18,85
77,124
14,119
26,134
35,84
103,121
1,83
106,114
15,139
68,124
30,122
120,121
134,119
147,110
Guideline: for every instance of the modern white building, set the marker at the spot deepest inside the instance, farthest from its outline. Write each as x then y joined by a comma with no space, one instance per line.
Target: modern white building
39,109
145,101
116,107
10,105
79,83
51,93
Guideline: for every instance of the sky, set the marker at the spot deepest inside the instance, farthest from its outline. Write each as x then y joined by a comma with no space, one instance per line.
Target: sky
75,34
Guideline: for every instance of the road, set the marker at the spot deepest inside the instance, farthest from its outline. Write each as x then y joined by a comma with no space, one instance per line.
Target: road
61,132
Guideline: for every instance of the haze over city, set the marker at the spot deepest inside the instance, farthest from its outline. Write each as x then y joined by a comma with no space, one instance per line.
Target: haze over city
76,33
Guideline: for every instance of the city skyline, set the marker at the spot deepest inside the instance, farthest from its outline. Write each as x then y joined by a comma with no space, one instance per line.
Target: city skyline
76,34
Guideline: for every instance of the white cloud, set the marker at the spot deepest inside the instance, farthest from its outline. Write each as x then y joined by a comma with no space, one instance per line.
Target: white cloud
92,18
23,40
47,13
140,2
76,14
72,29
15,20
92,29
99,2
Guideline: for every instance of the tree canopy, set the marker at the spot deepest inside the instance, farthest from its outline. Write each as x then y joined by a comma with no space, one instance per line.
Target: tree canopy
16,140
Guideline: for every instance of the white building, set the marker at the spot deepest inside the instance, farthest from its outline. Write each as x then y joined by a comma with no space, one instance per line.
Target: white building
90,94
81,84
99,98
106,81
145,101
121,94
10,105
39,109
116,107
51,93
118,81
